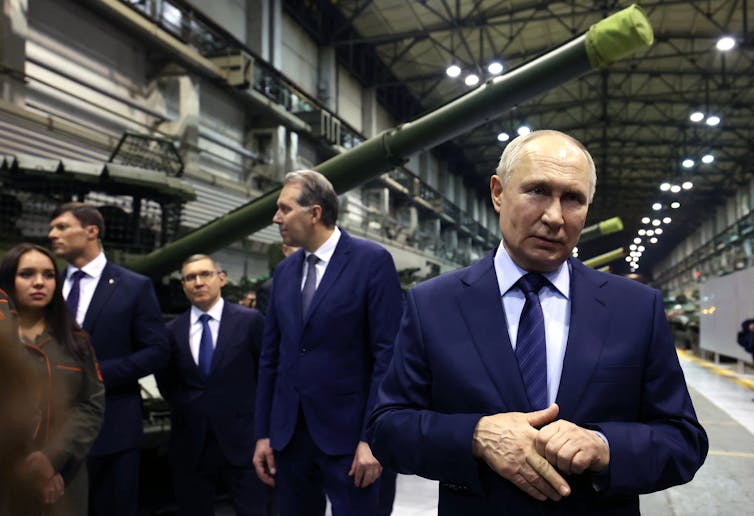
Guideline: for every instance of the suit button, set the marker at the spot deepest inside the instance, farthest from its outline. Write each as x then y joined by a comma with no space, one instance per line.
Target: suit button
303,350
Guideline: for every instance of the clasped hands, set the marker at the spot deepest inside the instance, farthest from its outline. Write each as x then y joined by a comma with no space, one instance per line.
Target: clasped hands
533,459
42,477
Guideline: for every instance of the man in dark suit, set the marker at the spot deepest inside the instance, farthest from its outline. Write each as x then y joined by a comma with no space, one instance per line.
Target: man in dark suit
210,384
332,317
566,401
119,310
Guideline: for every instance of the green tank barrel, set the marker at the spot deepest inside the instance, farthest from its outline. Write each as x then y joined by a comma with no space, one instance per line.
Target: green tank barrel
602,259
604,43
603,228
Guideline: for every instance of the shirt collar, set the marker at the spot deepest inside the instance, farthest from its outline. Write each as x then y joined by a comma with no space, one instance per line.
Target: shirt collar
215,312
326,250
508,273
92,269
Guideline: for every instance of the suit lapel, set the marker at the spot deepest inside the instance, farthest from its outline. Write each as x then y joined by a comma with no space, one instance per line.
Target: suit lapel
481,305
108,283
339,259
182,332
586,337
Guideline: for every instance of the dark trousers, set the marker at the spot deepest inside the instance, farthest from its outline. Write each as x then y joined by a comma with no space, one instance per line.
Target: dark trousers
114,483
195,485
305,474
387,492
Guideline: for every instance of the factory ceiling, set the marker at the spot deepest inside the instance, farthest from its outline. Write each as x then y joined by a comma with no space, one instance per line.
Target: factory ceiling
634,116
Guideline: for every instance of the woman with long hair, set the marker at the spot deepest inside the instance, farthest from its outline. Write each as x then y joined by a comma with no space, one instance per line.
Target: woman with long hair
71,395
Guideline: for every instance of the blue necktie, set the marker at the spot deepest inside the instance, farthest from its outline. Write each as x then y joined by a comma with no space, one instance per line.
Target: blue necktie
75,292
531,349
205,346
310,285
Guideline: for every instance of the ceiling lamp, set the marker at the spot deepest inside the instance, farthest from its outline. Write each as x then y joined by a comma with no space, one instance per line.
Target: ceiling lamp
645,220
628,258
651,232
653,240
687,163
471,80
708,158
453,70
523,130
495,68
657,206
637,240
658,231
656,222
675,188
696,116
713,120
725,43
503,137
675,205
642,232
632,247
687,185
641,248
667,220
665,187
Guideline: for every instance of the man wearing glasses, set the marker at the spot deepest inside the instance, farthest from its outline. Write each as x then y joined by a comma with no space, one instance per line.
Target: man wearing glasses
210,384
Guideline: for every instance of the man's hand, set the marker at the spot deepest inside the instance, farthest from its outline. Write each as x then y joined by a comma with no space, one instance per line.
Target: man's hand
264,462
365,469
506,443
53,490
571,448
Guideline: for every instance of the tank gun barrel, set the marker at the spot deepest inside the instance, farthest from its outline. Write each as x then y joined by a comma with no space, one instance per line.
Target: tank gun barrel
602,259
603,228
604,43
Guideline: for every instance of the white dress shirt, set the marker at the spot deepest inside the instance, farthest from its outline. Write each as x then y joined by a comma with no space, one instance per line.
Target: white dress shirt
324,253
196,328
556,308
87,284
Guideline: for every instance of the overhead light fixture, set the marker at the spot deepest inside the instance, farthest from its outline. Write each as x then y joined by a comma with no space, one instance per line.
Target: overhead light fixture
632,247
651,232
708,158
656,222
628,258
687,163
675,205
471,80
725,43
642,232
665,187
641,249
523,130
696,116
675,189
657,206
687,185
653,240
713,120
637,240
503,137
645,220
453,71
667,220
495,68
658,231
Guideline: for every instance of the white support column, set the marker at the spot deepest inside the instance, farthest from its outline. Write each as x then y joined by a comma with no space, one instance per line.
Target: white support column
14,29
327,78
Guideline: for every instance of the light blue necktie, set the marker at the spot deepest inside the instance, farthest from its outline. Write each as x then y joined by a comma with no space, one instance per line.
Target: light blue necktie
75,292
531,347
205,346
310,284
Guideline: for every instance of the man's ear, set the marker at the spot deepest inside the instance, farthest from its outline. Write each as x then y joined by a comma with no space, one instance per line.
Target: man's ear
496,192
316,211
92,232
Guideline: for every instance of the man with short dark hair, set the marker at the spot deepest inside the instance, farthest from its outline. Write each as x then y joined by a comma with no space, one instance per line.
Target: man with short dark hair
119,310
528,383
333,313
210,384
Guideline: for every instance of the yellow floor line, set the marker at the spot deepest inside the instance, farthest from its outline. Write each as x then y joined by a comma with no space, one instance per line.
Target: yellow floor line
743,382
731,454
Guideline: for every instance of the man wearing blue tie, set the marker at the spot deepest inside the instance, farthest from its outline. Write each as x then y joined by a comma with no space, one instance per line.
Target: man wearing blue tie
528,383
332,317
119,310
210,384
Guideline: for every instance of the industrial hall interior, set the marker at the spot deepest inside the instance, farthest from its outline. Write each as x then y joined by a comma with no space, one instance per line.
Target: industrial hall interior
179,120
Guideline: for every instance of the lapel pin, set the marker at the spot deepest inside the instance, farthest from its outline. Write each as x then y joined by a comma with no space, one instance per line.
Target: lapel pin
111,281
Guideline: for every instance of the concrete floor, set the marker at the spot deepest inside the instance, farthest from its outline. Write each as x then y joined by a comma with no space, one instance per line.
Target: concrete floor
723,486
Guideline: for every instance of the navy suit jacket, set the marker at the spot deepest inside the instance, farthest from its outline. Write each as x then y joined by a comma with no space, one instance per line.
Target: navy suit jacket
454,363
125,324
328,362
223,402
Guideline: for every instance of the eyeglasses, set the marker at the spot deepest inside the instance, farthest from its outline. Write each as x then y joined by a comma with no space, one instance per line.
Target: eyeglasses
204,275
